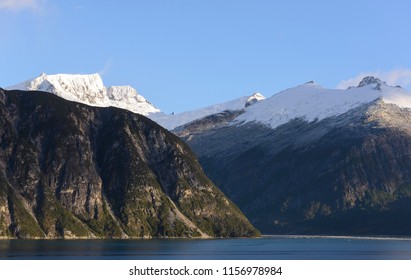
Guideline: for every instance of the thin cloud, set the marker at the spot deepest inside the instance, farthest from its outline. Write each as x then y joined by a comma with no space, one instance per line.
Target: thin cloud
106,68
18,5
395,77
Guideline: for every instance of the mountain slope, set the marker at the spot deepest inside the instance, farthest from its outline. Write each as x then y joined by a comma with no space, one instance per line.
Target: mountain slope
73,171
172,121
313,102
341,171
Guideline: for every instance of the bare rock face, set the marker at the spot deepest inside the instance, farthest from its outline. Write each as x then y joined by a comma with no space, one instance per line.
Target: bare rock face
348,174
207,123
68,170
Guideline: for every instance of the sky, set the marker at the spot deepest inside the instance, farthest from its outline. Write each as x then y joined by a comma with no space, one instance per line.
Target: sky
187,54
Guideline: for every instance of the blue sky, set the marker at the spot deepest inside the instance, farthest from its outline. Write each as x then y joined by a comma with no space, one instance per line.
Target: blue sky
186,54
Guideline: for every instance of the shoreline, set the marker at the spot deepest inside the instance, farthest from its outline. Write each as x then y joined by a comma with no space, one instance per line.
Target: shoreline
318,236
263,236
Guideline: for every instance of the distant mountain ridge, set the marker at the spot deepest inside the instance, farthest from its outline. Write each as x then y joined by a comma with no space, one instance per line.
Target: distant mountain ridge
173,121
313,102
90,90
309,101
310,160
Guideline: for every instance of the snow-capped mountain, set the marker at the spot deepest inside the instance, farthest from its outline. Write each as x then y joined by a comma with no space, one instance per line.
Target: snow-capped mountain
172,121
310,160
90,90
308,101
313,102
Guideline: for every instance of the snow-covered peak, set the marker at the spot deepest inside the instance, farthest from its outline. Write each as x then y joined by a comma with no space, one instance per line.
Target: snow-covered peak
370,80
89,89
252,99
84,88
316,103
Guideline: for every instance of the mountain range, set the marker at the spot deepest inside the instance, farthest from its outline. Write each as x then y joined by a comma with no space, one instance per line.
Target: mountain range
90,90
308,160
311,160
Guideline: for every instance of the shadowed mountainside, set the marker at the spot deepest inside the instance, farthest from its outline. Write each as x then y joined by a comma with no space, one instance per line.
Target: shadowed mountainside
68,170
348,174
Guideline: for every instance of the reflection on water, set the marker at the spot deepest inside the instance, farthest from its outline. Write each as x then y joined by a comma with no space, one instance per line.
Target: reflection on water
299,248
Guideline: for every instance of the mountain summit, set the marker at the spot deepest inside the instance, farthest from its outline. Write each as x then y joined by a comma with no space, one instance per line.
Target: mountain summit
370,80
90,90
254,99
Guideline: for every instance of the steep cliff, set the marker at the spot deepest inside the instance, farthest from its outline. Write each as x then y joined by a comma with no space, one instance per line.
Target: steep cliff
68,170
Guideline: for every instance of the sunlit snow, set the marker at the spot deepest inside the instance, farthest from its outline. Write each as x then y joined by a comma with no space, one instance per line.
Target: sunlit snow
90,90
308,101
173,121
313,102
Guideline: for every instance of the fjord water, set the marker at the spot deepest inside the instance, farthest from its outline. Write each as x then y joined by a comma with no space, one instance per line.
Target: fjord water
267,248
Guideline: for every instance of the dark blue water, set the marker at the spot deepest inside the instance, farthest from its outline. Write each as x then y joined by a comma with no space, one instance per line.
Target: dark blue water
268,248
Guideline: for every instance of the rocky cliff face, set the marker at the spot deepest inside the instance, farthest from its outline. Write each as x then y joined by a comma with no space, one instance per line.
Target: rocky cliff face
68,170
348,174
